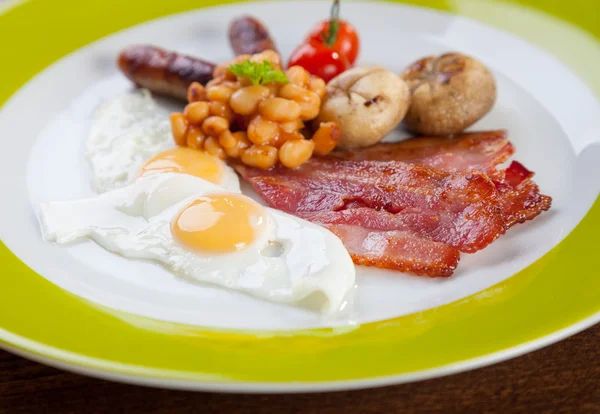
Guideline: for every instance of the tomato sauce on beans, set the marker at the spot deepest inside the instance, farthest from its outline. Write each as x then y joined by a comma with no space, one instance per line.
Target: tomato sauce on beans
260,125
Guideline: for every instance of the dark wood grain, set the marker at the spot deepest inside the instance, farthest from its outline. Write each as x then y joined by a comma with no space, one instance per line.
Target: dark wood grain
563,378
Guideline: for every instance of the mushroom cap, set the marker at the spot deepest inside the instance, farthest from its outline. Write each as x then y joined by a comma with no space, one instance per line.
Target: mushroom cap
367,103
450,92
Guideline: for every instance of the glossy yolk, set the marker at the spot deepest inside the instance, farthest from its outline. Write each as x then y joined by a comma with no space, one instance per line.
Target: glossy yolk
185,161
219,223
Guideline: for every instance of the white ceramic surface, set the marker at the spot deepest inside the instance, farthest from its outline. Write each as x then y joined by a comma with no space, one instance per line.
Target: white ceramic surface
46,161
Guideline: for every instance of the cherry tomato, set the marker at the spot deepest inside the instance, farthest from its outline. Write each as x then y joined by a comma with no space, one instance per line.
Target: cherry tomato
320,61
347,43
331,47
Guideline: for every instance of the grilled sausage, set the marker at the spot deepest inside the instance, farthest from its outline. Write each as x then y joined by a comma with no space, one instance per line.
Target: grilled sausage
248,36
163,72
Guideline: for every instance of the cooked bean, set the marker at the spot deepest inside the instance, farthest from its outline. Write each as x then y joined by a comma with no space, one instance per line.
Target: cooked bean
195,137
215,81
242,140
297,75
196,92
279,109
219,93
274,88
227,140
234,143
293,92
179,126
232,84
245,82
245,101
263,156
326,137
221,109
214,125
309,102
284,136
318,86
310,107
296,152
213,148
222,73
261,131
196,112
292,126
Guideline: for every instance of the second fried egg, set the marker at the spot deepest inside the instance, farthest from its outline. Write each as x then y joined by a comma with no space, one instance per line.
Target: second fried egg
131,137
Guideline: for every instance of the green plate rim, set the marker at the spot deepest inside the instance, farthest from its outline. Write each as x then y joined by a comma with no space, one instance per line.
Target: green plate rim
554,297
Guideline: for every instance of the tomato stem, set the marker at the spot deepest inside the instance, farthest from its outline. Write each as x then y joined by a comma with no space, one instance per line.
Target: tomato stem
334,24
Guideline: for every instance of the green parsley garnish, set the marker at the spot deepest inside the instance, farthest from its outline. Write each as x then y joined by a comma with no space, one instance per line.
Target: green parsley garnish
258,73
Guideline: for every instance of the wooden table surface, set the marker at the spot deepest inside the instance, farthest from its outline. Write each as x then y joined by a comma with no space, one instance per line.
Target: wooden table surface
564,377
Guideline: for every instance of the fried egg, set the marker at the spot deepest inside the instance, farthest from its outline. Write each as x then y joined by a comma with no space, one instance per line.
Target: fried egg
204,233
193,162
133,132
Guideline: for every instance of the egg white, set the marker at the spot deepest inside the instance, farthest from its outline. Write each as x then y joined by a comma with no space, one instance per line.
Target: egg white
291,261
128,131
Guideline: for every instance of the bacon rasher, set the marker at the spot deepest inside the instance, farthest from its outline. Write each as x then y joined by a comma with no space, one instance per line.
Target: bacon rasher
383,211
409,206
481,151
459,209
396,250
519,196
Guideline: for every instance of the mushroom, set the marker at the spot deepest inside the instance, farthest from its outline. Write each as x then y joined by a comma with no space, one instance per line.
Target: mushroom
366,103
450,92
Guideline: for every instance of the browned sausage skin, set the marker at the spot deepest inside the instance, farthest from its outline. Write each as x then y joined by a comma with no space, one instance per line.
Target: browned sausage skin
163,72
248,36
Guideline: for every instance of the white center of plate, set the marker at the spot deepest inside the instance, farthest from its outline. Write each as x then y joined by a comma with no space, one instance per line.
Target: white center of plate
47,162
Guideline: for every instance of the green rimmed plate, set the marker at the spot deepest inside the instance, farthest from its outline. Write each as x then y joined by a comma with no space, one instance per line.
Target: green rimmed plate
534,286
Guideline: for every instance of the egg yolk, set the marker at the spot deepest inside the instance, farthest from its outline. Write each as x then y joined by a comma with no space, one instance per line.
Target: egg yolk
219,223
185,161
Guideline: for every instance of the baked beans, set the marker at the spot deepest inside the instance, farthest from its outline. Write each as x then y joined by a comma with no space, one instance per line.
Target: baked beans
296,152
261,156
326,137
261,125
179,126
197,112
